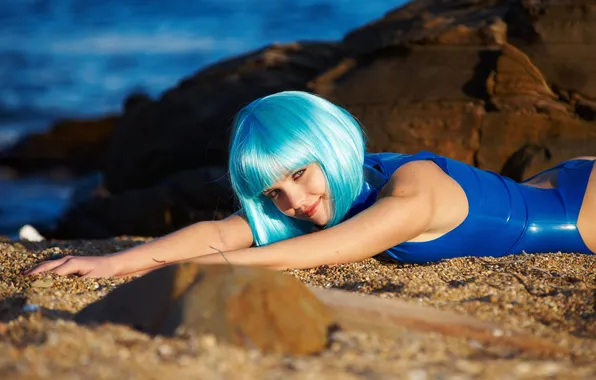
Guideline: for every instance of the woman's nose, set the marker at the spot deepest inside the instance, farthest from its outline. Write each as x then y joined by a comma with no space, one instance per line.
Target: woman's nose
295,198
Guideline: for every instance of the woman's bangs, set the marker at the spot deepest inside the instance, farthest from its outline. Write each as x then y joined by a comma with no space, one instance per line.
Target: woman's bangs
262,169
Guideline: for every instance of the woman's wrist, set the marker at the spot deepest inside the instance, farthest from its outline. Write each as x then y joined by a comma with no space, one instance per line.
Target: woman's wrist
118,263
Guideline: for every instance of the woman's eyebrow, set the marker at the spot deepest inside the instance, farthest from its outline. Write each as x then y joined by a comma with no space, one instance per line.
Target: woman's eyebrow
269,189
291,173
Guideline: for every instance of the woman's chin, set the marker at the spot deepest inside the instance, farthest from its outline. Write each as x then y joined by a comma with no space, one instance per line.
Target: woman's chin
320,221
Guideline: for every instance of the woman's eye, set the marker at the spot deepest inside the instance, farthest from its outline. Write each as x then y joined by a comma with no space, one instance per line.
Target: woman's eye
299,173
272,194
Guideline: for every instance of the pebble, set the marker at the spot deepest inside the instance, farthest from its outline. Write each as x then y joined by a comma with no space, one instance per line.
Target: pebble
30,308
165,351
417,374
42,284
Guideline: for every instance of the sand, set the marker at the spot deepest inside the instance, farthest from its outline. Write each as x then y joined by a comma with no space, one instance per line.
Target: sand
552,296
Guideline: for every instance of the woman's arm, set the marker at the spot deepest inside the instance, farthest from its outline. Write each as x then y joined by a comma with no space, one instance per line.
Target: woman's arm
202,238
415,200
199,239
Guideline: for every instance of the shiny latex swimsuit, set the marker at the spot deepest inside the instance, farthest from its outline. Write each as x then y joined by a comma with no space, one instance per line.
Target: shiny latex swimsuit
504,217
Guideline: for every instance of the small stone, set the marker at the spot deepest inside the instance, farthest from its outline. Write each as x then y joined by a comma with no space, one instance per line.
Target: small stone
209,341
29,308
42,284
417,374
165,351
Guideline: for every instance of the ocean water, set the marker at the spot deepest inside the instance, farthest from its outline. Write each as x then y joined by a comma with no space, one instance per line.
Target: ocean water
74,58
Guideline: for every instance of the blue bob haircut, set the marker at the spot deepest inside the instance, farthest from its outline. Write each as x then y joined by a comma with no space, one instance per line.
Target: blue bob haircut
280,133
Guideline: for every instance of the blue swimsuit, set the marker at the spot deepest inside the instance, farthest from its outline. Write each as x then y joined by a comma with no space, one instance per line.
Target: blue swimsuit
504,217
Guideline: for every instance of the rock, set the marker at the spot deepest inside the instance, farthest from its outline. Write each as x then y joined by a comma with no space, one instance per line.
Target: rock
77,145
415,84
516,84
505,85
135,101
521,144
440,109
188,127
421,22
353,311
584,108
246,306
29,233
42,284
180,200
447,77
447,128
161,150
559,37
10,306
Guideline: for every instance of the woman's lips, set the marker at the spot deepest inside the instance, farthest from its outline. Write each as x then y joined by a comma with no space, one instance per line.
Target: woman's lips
311,210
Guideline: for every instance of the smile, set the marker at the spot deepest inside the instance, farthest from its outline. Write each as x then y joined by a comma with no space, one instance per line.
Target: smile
312,210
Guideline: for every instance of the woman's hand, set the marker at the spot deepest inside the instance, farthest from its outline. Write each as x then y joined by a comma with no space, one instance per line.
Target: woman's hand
85,266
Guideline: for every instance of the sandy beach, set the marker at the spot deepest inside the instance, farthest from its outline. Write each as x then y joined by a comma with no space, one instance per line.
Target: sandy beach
552,296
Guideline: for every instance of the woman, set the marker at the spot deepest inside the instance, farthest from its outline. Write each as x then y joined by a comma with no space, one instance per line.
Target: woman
310,196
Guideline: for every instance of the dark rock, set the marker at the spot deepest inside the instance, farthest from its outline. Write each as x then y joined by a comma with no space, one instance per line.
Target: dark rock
76,145
136,101
506,85
188,127
517,164
246,306
432,22
180,200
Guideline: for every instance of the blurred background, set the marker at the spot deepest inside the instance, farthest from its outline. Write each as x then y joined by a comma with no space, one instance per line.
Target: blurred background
72,59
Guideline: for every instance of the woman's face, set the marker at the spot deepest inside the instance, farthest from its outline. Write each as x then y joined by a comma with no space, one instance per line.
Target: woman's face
303,194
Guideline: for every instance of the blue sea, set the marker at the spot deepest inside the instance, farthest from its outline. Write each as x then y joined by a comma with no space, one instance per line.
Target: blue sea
81,58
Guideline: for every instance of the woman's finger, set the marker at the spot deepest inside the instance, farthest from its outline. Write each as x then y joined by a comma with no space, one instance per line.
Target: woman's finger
68,267
45,266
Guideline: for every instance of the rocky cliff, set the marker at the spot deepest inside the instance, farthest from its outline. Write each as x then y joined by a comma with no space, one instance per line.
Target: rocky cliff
507,85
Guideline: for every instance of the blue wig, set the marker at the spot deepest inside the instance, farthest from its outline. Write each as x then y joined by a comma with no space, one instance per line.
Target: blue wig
283,132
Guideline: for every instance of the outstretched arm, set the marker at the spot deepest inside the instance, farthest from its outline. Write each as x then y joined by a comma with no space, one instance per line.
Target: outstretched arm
388,222
202,238
407,206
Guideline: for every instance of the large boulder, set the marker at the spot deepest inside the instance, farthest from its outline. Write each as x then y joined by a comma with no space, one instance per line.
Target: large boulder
165,167
505,85
446,76
188,127
246,306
